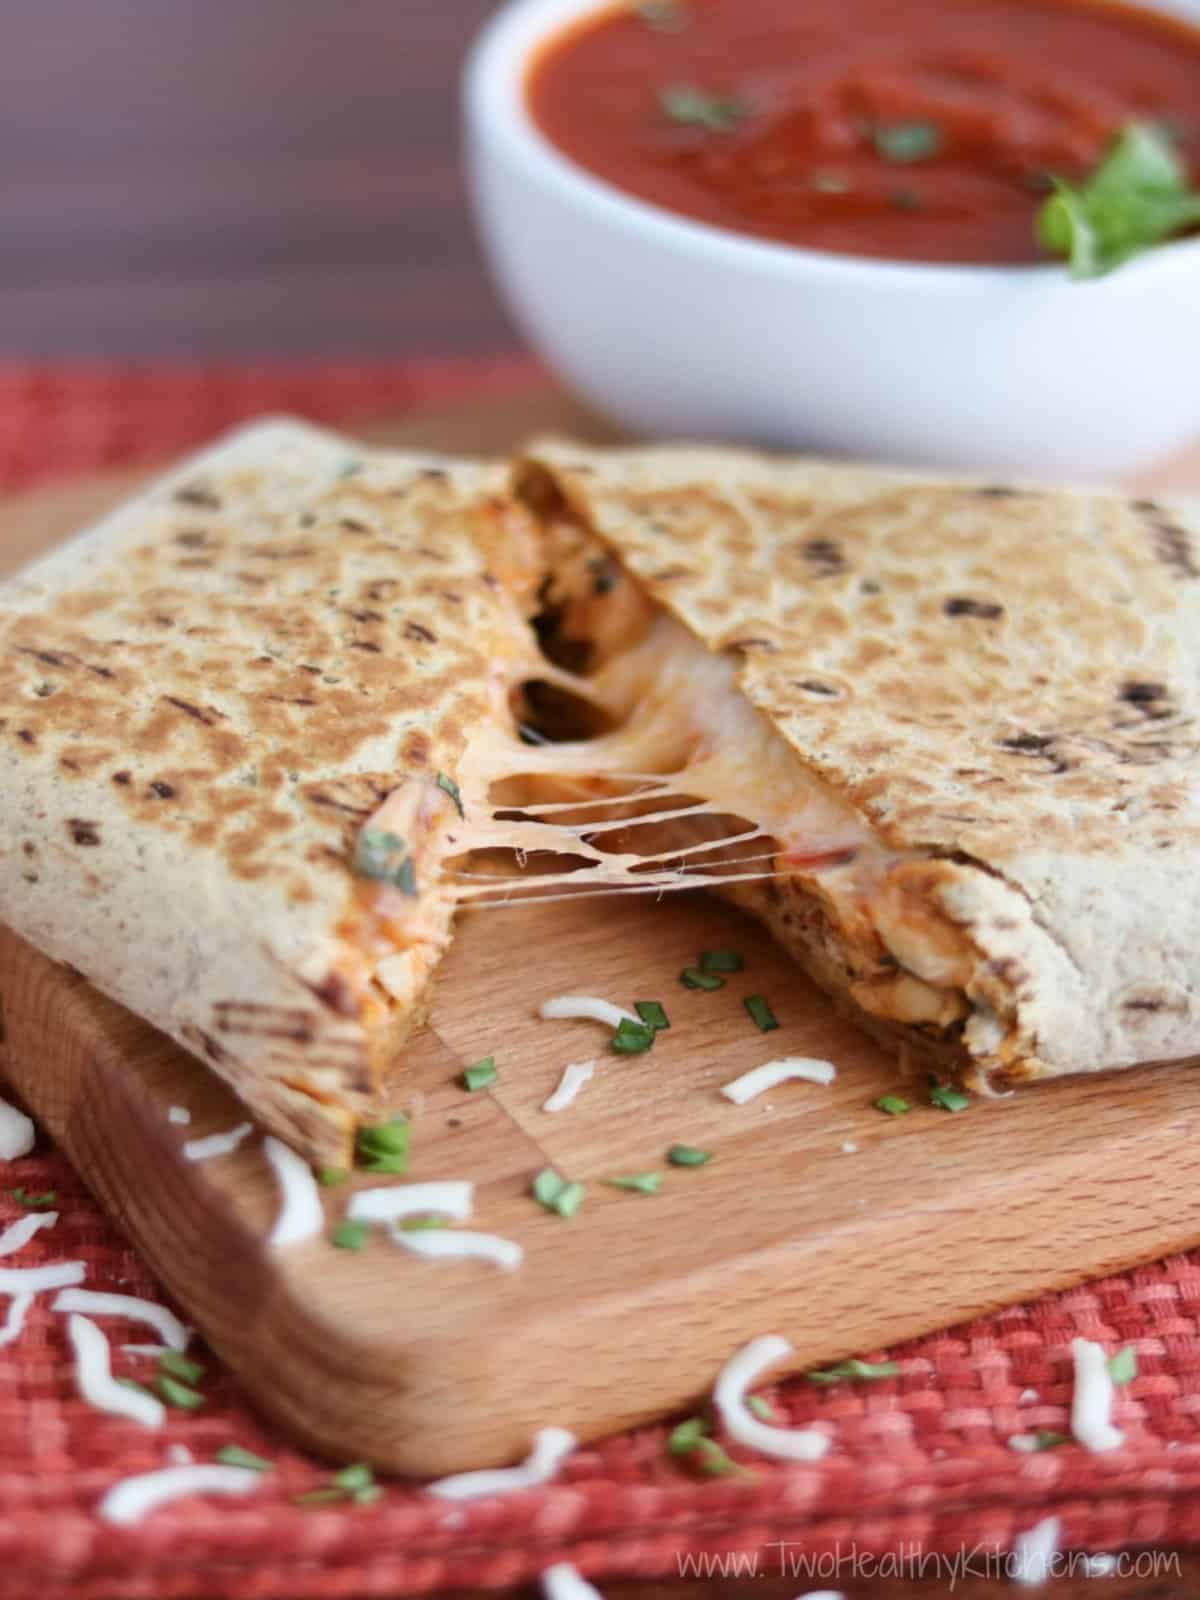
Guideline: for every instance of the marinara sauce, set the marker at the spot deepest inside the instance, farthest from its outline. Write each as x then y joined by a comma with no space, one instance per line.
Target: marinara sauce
920,130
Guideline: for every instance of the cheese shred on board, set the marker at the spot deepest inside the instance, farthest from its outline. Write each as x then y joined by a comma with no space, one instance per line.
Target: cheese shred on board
551,1448
452,1198
132,1499
464,1246
37,1280
1034,1553
575,1075
96,1384
165,1323
563,1582
772,1073
586,1008
14,1323
729,1399
1091,1403
217,1144
18,1235
301,1214
17,1133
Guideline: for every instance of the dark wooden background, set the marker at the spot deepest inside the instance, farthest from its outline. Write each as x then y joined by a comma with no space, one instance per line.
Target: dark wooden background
227,177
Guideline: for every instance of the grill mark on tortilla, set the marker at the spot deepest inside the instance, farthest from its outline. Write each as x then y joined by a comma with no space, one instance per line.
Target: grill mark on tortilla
964,606
197,495
418,630
336,992
64,658
83,832
1172,545
248,1018
209,715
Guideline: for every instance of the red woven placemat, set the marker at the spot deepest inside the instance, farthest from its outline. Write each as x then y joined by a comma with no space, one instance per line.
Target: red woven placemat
920,1462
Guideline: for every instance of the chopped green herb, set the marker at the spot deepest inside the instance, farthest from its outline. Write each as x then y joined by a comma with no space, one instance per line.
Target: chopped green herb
685,1436
715,1463
946,1098
639,1182
34,1202
381,857
1047,1439
721,961
179,1366
653,1014
179,1394
556,1194
693,978
893,1104
481,1076
547,1186
906,141
762,1409
367,1495
232,1455
570,1198
664,16
384,1147
904,200
1122,1368
687,1155
862,1371
693,108
319,1497
448,786
351,1235
350,470
760,1013
1137,197
330,1177
423,1224
358,1476
632,1038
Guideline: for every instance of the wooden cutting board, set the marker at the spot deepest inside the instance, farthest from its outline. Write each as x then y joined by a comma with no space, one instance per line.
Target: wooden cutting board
818,1217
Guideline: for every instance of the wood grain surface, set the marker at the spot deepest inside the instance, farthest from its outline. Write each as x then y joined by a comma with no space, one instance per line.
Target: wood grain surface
784,1214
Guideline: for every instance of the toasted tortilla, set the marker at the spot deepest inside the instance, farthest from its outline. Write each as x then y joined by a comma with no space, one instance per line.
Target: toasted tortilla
205,702
998,687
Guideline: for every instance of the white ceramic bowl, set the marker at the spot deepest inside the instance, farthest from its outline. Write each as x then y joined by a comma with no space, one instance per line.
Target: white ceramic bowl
677,327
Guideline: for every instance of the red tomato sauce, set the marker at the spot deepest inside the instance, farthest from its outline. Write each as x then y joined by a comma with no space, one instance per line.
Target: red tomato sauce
918,130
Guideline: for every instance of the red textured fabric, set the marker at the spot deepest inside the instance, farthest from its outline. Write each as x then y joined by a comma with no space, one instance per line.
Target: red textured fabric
920,1462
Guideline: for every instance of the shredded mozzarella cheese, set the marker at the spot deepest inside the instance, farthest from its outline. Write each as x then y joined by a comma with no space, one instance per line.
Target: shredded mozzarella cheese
562,1582
301,1216
551,1447
1091,1403
17,1132
17,1236
217,1144
439,1246
14,1323
453,1198
586,1007
96,1384
729,1398
573,1079
166,1324
180,1115
1023,1443
36,1280
132,1499
1034,1552
772,1073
